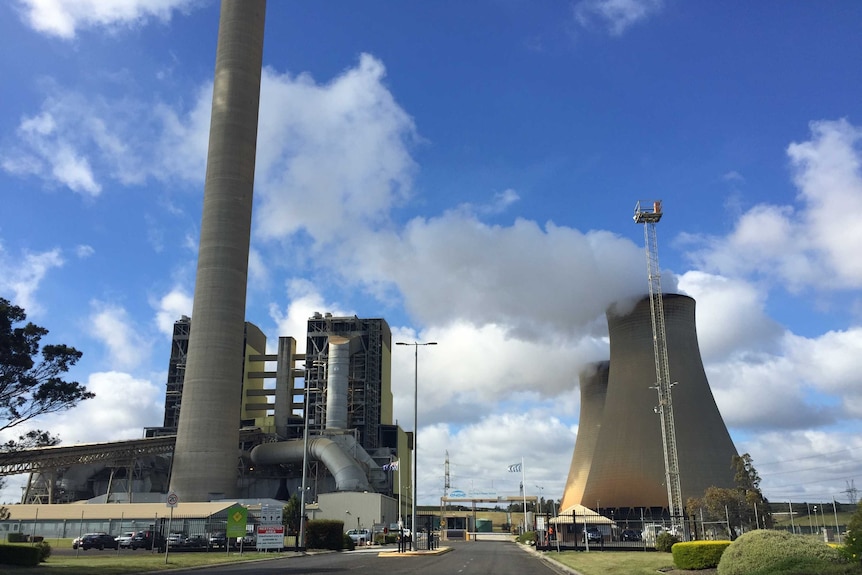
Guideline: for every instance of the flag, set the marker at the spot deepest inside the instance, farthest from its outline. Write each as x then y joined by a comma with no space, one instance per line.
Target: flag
391,466
515,468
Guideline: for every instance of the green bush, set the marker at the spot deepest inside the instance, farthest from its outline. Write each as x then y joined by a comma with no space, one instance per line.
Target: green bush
20,555
777,552
664,541
698,554
853,540
527,537
326,534
44,550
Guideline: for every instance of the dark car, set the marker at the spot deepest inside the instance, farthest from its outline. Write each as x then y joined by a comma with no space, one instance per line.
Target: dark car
146,540
594,535
630,535
95,541
218,540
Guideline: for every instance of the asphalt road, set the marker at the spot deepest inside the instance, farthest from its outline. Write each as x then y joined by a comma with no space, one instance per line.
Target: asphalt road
466,558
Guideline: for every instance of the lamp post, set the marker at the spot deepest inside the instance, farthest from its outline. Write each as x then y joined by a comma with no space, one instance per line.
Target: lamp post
413,533
304,472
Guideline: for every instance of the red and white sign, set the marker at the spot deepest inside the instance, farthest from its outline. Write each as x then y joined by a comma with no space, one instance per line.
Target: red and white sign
270,536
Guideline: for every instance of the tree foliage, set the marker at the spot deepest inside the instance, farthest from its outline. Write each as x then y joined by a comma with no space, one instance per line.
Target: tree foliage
31,376
740,508
853,539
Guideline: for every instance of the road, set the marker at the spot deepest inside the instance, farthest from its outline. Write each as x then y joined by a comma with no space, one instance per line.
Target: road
466,558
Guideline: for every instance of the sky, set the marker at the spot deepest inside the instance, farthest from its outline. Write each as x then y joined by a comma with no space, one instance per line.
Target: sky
469,172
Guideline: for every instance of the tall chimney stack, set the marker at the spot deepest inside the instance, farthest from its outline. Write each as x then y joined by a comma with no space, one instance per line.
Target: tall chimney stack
205,457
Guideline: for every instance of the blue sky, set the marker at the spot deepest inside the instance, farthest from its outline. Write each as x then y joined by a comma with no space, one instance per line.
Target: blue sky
467,171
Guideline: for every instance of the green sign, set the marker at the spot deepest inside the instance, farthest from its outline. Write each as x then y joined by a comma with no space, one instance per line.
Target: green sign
237,517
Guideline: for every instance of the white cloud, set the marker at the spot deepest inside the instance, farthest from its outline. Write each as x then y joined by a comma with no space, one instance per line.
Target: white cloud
171,307
331,157
533,282
616,15
731,318
480,453
63,18
84,142
21,277
304,300
123,406
812,245
127,346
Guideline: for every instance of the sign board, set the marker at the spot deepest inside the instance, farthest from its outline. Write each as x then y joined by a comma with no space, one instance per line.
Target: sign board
237,518
270,536
271,514
172,500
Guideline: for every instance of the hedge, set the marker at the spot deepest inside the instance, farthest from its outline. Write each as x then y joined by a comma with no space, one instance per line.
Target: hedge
26,555
698,554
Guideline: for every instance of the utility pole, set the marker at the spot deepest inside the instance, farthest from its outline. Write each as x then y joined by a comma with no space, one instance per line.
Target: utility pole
649,215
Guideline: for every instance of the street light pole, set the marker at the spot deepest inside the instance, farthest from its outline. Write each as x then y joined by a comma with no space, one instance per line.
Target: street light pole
413,533
304,472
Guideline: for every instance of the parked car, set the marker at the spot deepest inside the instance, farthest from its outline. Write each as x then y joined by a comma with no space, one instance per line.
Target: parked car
176,539
95,541
146,540
218,540
360,536
594,535
630,535
124,540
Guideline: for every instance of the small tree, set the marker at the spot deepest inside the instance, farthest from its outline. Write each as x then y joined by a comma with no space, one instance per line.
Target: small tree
741,507
31,382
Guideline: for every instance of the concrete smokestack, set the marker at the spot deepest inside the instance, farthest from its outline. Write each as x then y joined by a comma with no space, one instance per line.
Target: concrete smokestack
205,458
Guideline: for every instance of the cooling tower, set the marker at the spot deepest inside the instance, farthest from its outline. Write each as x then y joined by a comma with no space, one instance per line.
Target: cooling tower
594,388
622,462
205,458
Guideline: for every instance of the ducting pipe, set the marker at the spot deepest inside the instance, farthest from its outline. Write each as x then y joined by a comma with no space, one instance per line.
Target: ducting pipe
336,382
348,475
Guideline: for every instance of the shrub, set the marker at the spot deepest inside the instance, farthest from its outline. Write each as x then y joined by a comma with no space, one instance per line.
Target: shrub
698,554
19,555
853,540
776,552
664,541
527,537
44,550
326,534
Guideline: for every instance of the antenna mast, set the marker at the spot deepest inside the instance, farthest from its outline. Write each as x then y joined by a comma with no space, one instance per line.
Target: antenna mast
446,483
649,214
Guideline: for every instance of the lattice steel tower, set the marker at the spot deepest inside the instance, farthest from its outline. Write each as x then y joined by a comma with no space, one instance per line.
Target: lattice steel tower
649,215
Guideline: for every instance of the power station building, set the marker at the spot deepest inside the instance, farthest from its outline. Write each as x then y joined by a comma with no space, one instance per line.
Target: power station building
618,460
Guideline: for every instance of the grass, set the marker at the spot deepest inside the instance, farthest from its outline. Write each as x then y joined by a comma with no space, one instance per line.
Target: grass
613,562
108,563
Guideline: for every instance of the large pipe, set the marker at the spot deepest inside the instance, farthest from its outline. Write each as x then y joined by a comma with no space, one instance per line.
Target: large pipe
205,458
337,382
347,473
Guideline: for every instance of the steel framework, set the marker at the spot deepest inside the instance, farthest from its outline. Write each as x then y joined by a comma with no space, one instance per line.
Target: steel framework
649,214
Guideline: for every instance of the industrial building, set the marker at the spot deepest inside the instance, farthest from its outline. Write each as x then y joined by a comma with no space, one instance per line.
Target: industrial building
619,457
